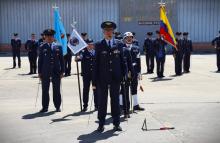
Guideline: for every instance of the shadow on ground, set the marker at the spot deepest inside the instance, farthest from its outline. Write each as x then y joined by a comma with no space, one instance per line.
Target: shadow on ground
37,115
96,136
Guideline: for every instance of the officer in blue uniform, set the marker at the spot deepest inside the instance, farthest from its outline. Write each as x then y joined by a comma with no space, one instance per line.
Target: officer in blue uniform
16,47
178,54
68,59
160,51
187,49
216,43
149,52
31,46
133,69
109,72
50,68
87,58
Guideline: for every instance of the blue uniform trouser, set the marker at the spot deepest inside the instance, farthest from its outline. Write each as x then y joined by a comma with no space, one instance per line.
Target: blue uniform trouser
113,88
16,53
160,66
150,62
87,79
56,92
186,61
178,63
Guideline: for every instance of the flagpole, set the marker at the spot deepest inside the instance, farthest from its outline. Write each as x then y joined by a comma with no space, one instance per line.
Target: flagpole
77,68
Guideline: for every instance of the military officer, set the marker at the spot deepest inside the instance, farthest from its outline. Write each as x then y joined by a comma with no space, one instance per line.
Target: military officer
149,52
187,49
109,72
50,68
16,47
87,58
178,54
133,62
68,59
216,43
160,51
31,46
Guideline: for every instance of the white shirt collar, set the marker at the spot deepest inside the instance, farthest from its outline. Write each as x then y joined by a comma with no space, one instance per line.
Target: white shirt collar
129,46
111,41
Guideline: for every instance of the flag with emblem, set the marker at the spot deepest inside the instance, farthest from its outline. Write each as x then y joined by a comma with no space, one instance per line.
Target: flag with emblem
76,43
60,35
165,28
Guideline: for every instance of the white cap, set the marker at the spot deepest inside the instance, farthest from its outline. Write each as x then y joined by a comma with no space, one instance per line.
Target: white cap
126,34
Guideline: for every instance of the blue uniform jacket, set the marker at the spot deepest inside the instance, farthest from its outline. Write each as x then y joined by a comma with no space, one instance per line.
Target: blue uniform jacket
50,62
109,65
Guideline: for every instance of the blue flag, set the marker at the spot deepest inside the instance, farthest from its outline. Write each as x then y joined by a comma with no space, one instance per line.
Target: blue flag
60,35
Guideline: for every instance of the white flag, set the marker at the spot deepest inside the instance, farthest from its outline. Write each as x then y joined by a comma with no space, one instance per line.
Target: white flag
76,43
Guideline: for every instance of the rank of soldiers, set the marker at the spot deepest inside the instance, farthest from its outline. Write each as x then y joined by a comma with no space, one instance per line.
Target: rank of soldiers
112,66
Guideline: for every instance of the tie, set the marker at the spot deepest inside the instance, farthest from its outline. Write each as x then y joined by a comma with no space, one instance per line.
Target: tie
109,44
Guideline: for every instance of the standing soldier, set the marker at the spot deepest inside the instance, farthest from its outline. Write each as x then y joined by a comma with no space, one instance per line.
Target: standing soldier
87,58
31,46
178,54
132,54
16,47
50,68
149,52
160,50
68,59
216,43
187,48
109,72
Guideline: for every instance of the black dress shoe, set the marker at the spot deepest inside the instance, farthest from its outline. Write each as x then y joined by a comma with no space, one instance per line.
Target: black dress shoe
138,108
84,109
100,129
117,128
43,110
58,110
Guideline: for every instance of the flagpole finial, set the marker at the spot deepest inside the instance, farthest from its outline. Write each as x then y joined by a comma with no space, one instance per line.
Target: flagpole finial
55,6
74,23
161,3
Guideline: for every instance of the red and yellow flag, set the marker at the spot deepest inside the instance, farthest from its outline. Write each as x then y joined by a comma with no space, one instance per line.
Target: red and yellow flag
165,28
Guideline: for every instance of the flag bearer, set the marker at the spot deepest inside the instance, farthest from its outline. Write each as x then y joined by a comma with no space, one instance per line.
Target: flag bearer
87,58
160,50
